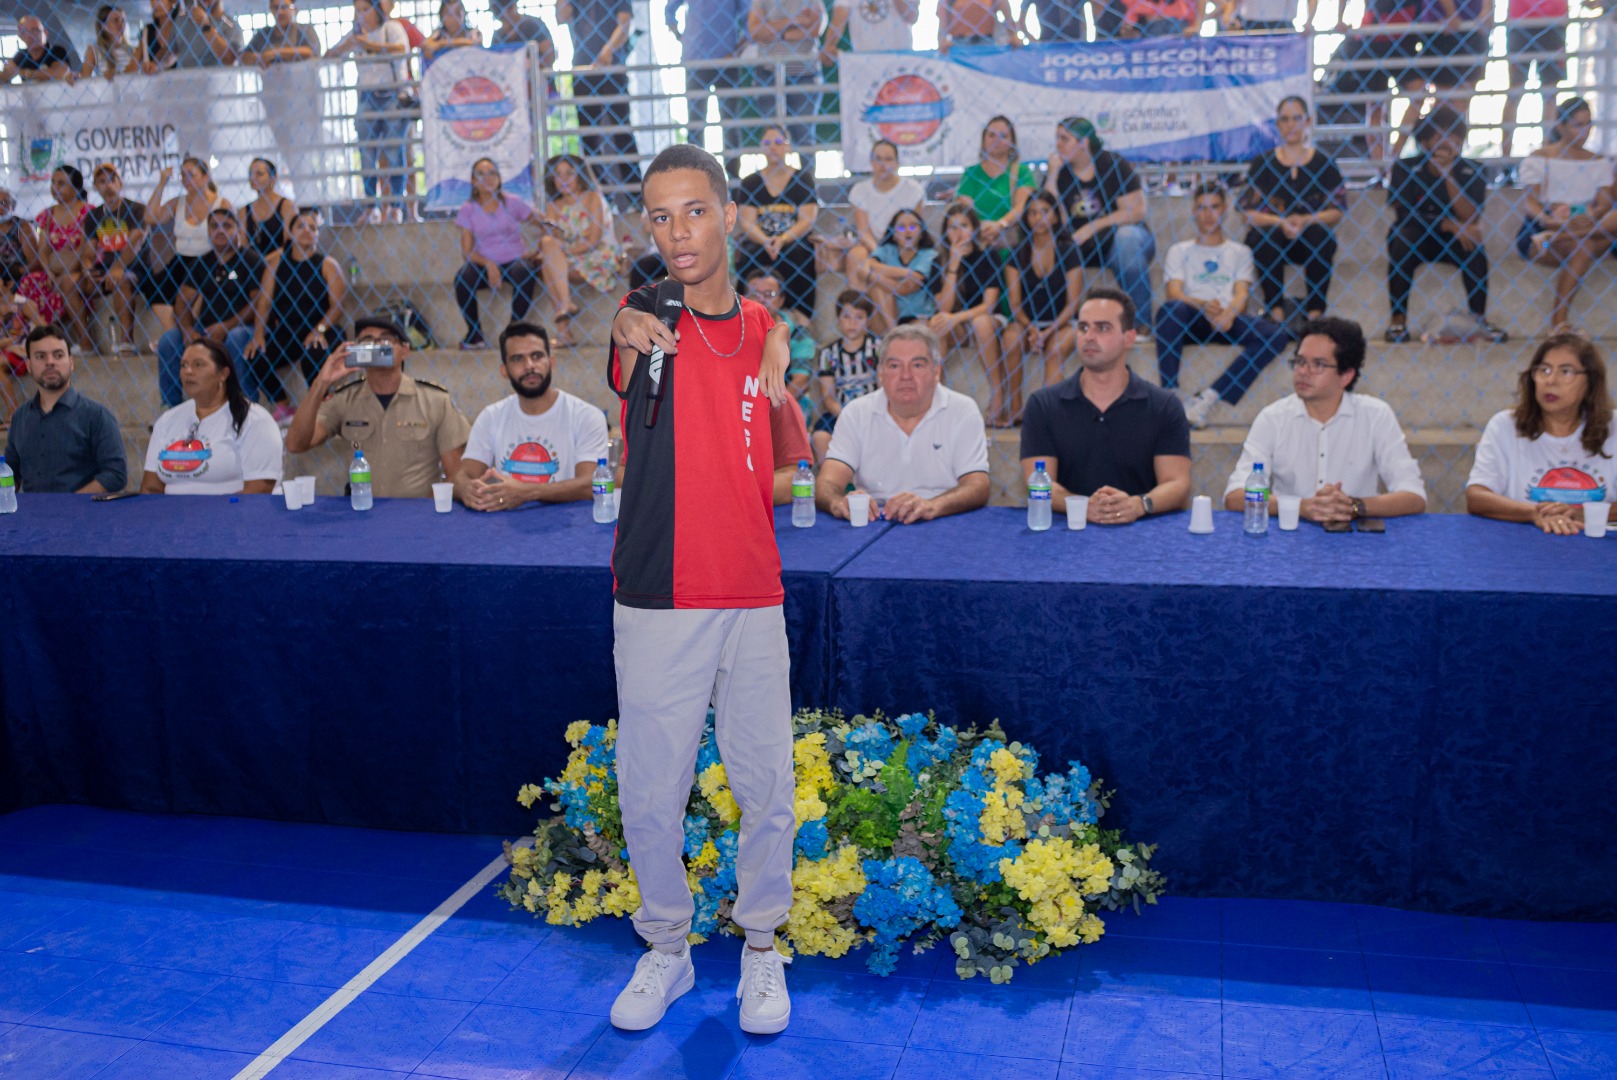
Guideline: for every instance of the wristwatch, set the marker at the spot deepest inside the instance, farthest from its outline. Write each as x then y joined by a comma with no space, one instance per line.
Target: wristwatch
321,328
1359,509
1150,507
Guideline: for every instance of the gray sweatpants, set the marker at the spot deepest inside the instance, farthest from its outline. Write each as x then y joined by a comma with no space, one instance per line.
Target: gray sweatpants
671,665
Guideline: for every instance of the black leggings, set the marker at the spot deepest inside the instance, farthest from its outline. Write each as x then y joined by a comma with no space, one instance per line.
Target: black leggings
520,274
283,348
1314,250
1415,246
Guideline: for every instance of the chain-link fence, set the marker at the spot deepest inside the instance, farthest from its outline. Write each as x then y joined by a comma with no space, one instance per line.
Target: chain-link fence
344,137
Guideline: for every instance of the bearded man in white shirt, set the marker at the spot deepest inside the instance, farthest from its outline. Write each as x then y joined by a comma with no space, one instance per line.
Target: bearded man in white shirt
1328,445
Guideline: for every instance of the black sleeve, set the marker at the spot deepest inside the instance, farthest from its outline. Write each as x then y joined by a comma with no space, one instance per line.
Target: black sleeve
641,299
1257,183
1475,186
800,192
1173,430
1401,188
1037,438
747,191
1120,180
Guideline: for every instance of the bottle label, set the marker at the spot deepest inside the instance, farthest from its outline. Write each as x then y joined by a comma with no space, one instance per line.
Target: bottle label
602,487
1041,494
359,477
802,491
8,481
1259,496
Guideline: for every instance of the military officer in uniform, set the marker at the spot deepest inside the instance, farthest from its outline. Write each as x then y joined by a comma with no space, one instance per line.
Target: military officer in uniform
410,431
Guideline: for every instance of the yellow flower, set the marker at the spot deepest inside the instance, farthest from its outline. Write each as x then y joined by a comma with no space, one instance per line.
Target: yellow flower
809,926
1055,875
528,794
714,784
808,806
1002,816
707,858
576,731
623,893
1008,768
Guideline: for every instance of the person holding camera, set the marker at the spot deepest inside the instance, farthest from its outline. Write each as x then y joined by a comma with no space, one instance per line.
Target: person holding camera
410,431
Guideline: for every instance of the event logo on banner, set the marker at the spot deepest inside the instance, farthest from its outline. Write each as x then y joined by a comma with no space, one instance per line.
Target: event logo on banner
474,104
1157,99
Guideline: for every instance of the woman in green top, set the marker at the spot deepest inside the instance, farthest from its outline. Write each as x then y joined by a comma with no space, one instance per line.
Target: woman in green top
1000,185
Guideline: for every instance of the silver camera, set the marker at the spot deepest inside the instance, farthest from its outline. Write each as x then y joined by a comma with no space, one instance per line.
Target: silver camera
369,354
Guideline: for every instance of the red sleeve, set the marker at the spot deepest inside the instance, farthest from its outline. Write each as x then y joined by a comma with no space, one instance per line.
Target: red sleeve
411,34
788,435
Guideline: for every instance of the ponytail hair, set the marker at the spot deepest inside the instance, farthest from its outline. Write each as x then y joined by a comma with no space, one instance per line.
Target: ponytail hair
235,396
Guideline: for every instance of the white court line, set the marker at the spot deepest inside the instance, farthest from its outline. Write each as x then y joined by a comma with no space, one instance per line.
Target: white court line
283,1047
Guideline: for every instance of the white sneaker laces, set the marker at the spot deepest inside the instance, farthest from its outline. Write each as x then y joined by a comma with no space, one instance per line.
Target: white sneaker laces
648,977
761,974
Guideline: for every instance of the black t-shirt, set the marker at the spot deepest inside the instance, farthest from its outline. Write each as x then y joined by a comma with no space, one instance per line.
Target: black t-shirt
109,229
979,272
1271,187
777,213
1060,20
1092,449
1416,192
592,26
1085,200
53,54
1044,297
225,288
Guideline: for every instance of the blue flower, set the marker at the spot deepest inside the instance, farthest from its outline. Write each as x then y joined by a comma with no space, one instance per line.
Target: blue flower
812,839
873,741
724,875
924,753
900,898
708,753
695,835
911,725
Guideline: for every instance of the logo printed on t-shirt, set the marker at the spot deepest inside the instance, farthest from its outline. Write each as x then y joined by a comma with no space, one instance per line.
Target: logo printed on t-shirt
749,389
185,457
530,462
1567,483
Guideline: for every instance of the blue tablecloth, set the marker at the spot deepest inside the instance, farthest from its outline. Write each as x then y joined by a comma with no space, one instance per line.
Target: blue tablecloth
398,668
1422,718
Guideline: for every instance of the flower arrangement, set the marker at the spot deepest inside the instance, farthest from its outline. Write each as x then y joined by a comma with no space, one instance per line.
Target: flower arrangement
909,832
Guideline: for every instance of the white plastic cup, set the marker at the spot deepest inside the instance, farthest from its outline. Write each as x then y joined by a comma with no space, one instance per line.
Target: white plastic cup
859,509
1595,516
1201,514
1077,511
305,486
443,497
292,491
1291,508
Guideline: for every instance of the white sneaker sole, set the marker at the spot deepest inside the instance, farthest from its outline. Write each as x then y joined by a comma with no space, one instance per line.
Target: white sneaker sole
770,1027
680,989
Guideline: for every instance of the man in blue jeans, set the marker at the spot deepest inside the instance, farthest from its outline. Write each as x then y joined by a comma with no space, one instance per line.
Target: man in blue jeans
1207,281
217,303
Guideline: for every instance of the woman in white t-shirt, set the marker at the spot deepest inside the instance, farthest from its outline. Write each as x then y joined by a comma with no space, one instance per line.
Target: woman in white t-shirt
373,37
1569,222
215,442
874,202
1555,451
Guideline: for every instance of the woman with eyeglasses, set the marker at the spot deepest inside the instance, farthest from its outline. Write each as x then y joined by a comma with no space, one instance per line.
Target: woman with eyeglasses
1293,202
902,272
874,203
1045,280
778,207
1000,184
1567,195
1555,451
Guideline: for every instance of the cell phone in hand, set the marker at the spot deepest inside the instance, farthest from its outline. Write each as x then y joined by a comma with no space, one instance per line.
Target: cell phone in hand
1372,525
370,354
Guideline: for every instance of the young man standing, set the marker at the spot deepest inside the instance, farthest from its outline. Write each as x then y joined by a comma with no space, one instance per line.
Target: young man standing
698,614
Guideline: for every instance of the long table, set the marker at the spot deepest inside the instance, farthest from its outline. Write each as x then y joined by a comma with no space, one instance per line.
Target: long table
1421,719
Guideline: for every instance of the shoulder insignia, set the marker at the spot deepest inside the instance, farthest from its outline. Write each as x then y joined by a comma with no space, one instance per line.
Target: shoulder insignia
431,385
358,380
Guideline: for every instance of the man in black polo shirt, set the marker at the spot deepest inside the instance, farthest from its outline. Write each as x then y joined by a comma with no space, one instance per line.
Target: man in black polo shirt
218,303
61,441
1105,432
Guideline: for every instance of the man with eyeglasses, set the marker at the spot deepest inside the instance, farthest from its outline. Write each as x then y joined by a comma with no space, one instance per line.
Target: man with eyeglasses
1326,444
409,429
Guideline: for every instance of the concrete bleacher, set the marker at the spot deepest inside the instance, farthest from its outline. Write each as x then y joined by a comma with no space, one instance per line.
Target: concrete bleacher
1442,393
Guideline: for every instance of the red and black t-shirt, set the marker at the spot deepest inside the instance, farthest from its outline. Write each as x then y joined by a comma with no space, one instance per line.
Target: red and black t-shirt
696,527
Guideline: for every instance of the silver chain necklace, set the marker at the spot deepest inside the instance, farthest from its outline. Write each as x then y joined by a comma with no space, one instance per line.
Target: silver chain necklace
697,319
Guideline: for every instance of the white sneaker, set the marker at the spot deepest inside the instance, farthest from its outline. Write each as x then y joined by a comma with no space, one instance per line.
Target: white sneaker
765,1005
659,980
1197,408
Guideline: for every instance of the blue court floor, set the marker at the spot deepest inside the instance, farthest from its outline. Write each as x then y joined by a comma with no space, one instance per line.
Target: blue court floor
148,946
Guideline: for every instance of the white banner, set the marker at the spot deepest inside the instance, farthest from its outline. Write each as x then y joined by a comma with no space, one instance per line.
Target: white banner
474,104
226,117
1153,99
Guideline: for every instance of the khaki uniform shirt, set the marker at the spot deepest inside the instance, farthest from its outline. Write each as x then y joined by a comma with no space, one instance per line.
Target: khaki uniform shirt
403,442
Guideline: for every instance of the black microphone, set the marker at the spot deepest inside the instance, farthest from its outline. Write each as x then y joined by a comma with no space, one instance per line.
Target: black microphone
668,307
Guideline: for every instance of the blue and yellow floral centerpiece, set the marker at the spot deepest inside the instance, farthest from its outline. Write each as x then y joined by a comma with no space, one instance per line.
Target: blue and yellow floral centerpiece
909,832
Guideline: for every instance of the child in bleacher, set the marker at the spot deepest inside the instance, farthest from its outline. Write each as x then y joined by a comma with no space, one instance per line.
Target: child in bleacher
847,365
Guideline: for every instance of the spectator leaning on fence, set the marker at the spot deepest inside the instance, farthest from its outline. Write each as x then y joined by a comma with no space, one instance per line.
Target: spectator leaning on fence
600,30
1161,18
999,184
1437,199
1208,281
381,133
491,242
299,312
517,29
1059,20
1044,281
284,41
874,202
974,22
969,287
777,207
61,441
204,36
218,304
161,282
1569,220
1104,204
1293,202
18,316
408,429
267,220
1326,444
110,55
157,38
1105,432
915,444
1544,459
117,233
39,60
1527,47
66,254
216,441
1264,16
714,30
880,27
538,445
788,33
452,32
578,245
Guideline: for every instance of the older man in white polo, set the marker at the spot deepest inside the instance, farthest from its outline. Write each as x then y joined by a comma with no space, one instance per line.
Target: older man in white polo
918,448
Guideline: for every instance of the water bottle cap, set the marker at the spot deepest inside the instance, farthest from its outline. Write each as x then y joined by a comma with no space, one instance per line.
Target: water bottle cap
803,464
600,461
358,455
1038,464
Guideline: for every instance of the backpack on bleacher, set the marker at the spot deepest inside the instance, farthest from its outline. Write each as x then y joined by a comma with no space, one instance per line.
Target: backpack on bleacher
414,324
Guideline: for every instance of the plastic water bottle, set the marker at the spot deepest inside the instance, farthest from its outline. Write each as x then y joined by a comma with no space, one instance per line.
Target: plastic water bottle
601,486
8,489
803,496
1257,501
1038,498
359,482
